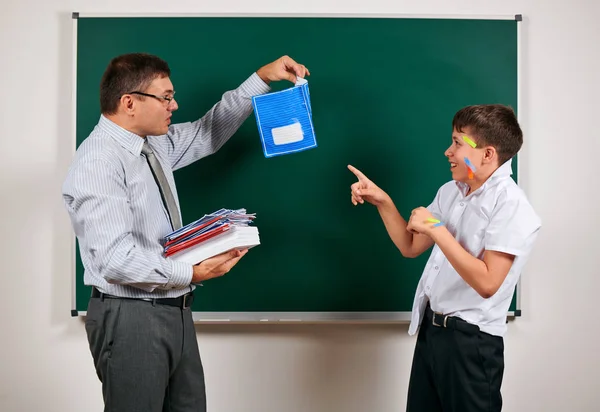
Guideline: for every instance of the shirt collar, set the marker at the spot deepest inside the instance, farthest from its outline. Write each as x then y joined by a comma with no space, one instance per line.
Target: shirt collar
130,141
503,171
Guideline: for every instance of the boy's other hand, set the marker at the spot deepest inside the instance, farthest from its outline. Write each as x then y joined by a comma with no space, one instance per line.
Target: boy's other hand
365,189
418,222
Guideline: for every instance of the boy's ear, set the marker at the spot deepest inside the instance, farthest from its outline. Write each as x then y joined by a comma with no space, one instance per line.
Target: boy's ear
489,154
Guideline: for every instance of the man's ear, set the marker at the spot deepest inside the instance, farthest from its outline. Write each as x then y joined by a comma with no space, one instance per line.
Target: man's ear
128,104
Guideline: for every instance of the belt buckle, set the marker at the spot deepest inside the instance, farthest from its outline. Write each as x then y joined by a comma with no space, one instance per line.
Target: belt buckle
185,300
444,324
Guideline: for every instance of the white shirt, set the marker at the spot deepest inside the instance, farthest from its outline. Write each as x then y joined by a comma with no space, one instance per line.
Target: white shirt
497,216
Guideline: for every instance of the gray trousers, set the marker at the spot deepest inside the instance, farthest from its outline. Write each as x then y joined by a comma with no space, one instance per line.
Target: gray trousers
146,356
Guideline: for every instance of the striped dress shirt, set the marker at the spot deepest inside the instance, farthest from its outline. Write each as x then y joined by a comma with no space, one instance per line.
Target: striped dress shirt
115,205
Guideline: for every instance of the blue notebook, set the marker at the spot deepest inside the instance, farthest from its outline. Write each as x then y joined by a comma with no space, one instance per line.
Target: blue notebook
284,120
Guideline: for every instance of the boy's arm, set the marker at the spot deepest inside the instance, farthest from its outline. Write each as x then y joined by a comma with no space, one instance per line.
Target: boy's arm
410,244
511,232
485,276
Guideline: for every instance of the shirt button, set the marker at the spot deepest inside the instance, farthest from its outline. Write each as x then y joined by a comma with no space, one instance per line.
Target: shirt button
436,267
462,203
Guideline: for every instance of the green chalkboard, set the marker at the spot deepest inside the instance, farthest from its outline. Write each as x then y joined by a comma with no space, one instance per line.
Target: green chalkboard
383,94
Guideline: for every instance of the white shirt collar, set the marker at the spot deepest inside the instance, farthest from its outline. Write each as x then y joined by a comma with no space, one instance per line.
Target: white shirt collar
503,171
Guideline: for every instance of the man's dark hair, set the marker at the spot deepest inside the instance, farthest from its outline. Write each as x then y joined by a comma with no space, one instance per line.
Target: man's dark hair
128,73
492,125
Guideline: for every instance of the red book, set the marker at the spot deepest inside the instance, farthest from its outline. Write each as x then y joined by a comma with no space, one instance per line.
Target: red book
194,241
194,230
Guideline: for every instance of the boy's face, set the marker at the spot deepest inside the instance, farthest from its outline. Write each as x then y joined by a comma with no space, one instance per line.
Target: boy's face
456,153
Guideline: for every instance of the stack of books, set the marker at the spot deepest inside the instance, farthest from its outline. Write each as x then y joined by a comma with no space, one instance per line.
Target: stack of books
213,234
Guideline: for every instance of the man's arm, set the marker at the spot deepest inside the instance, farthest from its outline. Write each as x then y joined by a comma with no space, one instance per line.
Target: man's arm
96,199
410,244
188,142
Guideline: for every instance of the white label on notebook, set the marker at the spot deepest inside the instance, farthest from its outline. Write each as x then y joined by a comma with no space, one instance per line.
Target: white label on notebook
300,81
287,134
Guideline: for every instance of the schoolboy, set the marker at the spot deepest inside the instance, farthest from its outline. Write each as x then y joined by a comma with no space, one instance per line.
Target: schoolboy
483,229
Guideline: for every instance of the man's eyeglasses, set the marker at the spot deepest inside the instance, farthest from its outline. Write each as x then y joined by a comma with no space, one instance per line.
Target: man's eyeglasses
164,99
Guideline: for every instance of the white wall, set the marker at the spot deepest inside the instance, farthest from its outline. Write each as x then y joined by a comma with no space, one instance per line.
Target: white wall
552,360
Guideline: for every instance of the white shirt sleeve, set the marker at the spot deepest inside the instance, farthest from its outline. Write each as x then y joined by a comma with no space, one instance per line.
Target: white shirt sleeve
436,207
513,227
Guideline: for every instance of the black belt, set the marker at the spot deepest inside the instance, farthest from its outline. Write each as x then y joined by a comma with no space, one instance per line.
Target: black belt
449,322
183,301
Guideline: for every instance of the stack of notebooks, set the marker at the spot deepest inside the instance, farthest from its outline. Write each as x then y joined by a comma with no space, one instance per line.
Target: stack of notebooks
212,235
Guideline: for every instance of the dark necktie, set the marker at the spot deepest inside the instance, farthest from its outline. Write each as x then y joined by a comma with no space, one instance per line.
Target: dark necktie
163,185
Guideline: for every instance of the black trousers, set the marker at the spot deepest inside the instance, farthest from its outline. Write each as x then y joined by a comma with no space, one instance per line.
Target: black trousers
146,356
456,368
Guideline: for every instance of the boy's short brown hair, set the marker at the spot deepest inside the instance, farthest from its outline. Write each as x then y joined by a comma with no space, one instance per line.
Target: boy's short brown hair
493,125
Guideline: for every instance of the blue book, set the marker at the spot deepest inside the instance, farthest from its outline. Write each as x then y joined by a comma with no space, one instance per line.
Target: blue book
284,120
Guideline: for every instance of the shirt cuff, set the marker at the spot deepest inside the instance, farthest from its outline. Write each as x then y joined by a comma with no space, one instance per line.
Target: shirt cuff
181,276
255,86
505,249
